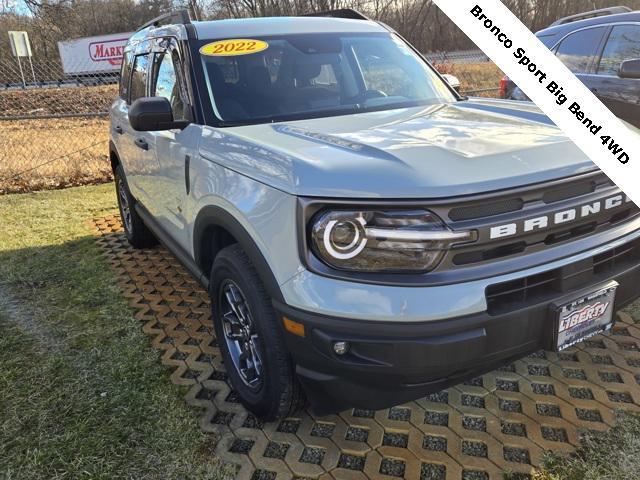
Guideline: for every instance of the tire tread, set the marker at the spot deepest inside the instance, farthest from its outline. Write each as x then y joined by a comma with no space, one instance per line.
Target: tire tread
292,397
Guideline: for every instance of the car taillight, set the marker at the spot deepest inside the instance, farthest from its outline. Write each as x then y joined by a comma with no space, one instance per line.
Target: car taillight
504,82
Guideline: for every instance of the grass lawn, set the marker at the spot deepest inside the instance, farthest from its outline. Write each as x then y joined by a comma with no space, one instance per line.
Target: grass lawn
612,455
475,76
82,393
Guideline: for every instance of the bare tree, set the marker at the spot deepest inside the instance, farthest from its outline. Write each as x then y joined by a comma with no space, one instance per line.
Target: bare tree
419,21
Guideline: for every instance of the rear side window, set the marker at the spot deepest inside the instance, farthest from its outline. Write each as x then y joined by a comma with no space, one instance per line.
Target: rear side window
138,86
578,49
623,44
125,75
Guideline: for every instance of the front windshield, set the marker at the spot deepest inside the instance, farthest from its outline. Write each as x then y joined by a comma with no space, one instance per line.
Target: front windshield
318,75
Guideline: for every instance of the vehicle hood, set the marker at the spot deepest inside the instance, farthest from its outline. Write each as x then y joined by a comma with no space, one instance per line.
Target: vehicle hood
428,152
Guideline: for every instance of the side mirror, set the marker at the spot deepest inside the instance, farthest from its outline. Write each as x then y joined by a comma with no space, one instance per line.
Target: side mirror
152,114
453,81
630,69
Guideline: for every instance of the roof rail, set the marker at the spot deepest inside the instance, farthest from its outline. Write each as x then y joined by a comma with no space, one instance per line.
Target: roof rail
592,14
180,17
339,13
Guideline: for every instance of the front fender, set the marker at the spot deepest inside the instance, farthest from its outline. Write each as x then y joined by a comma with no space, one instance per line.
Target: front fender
215,216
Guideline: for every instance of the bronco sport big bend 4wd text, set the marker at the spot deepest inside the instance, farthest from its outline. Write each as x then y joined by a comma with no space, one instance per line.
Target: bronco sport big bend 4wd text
367,235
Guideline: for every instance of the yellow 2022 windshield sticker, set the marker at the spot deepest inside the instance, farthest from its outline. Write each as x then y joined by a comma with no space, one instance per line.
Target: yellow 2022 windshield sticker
239,46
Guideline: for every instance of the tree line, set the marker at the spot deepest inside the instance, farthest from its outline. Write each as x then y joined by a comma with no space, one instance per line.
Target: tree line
419,21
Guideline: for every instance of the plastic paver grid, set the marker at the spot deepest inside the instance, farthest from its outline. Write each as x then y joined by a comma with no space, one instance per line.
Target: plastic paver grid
500,422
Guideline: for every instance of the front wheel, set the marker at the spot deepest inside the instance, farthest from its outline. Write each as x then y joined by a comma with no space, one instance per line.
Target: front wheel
249,335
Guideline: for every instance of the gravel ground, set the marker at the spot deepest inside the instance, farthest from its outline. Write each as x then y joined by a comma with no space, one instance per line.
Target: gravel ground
474,449
276,450
434,443
392,467
395,439
515,429
432,471
474,423
581,393
518,455
548,410
356,434
312,455
323,430
436,418
351,462
507,385
588,415
554,434
510,405
472,401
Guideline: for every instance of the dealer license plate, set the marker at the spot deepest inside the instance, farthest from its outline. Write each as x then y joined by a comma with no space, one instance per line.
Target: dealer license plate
585,317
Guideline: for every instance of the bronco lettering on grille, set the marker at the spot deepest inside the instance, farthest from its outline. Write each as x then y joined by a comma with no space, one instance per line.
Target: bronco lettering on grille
557,218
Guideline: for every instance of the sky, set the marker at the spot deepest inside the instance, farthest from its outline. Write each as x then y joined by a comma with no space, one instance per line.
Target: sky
17,6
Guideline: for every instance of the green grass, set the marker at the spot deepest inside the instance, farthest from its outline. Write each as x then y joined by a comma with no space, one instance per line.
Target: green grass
614,454
82,393
634,311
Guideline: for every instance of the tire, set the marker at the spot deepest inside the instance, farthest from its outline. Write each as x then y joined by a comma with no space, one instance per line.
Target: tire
267,385
138,235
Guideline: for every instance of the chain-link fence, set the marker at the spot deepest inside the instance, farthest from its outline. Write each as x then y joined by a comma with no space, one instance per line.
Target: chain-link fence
459,56
54,127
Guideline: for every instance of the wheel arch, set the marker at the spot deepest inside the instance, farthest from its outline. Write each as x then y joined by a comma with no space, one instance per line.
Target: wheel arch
114,158
216,228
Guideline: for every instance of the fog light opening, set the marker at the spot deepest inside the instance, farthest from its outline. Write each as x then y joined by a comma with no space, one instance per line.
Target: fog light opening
340,348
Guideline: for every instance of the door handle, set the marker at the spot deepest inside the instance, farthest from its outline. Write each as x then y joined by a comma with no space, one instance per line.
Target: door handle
142,143
118,130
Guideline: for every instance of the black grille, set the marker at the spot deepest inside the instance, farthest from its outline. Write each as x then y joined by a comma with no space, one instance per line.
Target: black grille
485,210
517,294
483,252
476,256
508,296
564,193
612,260
539,201
571,233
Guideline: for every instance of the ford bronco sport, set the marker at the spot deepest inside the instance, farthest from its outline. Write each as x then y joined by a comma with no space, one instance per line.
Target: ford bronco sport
367,235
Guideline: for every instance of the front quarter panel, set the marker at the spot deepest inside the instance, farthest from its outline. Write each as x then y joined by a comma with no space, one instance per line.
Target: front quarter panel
266,214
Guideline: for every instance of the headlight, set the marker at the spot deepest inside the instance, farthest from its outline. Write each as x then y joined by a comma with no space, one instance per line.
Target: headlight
382,241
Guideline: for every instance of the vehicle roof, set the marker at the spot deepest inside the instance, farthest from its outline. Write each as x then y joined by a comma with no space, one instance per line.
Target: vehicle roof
247,27
562,30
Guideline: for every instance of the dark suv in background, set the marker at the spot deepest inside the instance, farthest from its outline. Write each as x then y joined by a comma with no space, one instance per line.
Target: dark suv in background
602,48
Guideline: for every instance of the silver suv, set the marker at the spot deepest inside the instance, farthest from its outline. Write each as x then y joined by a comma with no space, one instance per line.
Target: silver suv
367,235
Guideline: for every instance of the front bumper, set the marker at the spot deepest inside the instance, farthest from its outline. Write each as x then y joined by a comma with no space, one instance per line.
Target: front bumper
392,362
